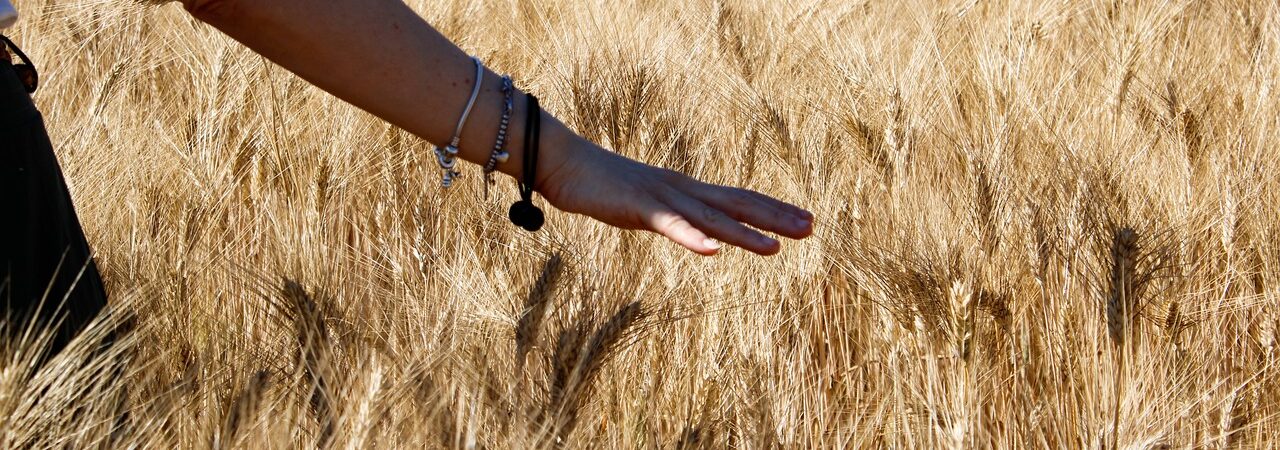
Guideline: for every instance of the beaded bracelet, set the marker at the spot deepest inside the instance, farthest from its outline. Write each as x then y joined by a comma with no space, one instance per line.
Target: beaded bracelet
499,154
447,156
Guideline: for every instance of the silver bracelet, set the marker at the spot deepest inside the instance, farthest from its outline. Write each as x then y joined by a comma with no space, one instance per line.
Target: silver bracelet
499,154
447,156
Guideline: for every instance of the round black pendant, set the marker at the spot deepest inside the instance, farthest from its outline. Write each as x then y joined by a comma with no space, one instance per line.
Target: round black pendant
525,215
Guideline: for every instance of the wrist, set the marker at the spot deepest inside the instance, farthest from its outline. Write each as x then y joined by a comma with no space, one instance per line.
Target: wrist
557,144
558,147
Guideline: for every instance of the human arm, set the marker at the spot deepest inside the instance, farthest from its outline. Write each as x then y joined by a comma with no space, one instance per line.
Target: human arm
382,57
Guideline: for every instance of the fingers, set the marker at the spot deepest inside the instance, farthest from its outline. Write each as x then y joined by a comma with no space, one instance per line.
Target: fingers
757,210
699,216
792,209
671,224
718,225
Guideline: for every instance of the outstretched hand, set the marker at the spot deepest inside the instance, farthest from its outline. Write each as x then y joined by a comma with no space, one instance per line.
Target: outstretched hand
628,194
417,69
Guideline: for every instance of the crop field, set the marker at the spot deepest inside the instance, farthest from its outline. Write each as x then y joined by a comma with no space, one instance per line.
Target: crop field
1040,224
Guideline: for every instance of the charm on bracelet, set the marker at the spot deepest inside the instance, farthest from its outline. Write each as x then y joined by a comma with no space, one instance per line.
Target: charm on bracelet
447,157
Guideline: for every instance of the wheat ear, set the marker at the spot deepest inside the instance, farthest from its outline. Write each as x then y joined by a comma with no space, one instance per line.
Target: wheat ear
243,408
1120,302
313,345
576,366
535,308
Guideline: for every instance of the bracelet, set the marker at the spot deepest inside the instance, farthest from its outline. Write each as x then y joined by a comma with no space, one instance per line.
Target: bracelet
447,156
499,154
523,213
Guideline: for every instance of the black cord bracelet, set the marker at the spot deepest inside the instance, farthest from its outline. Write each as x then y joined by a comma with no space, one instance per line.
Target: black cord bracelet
523,213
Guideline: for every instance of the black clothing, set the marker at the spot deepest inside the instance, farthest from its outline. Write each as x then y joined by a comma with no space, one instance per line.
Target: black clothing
42,247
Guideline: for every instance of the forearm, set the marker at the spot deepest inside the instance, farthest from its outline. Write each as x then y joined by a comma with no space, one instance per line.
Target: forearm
380,56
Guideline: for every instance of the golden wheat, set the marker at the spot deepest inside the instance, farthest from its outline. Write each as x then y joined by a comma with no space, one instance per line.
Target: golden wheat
969,163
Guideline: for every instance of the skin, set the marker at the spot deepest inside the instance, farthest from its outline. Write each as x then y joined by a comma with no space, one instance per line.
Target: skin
399,68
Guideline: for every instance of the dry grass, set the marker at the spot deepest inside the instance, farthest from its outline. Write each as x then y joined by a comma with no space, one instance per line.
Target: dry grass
1042,225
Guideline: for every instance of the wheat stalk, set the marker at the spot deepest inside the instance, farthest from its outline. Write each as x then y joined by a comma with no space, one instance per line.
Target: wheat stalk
535,308
1120,305
243,407
313,354
575,365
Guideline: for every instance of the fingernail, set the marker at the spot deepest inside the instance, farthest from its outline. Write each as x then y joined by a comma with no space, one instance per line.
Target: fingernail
801,223
711,244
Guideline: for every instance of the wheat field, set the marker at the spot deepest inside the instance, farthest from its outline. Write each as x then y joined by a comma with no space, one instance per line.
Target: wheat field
1041,224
